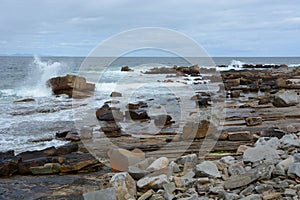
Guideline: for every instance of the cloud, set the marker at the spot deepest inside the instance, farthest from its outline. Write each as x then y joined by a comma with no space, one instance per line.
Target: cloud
226,27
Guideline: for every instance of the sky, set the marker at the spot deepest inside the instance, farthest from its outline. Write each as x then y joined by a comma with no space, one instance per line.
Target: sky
223,28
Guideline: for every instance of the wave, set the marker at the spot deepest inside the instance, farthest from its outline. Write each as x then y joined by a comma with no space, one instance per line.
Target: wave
39,74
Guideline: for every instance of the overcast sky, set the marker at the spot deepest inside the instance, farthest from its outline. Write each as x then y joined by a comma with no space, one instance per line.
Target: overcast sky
223,28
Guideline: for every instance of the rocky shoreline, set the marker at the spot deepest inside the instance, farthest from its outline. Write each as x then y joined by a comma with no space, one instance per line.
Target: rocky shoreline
254,155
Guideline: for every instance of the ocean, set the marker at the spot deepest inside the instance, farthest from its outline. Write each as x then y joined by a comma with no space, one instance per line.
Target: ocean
25,77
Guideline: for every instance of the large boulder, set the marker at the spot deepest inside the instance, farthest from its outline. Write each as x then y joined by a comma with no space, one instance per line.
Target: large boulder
71,85
285,99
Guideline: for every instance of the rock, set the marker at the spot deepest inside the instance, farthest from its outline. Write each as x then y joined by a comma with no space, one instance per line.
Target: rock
294,170
203,102
236,169
138,105
208,168
263,188
227,160
186,181
157,197
115,94
187,158
7,155
241,180
281,83
290,140
285,99
126,69
235,94
247,191
49,168
107,194
169,188
241,149
240,136
290,193
260,153
121,159
253,121
139,114
273,142
111,129
160,163
9,166
192,130
286,162
24,100
153,182
146,195
234,82
162,120
272,196
174,167
73,136
252,197
125,186
67,149
106,113
62,134
71,85
29,155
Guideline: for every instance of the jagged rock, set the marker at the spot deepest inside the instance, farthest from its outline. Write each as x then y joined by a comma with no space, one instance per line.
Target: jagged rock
253,121
294,170
115,94
107,194
208,168
162,120
236,169
240,136
260,153
125,186
139,114
121,159
286,162
9,166
252,197
160,163
185,181
263,188
285,99
153,182
106,113
290,140
241,180
272,142
71,85
169,188
187,158
272,196
126,69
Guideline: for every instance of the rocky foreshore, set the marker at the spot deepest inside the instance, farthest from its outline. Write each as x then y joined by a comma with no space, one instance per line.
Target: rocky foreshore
254,155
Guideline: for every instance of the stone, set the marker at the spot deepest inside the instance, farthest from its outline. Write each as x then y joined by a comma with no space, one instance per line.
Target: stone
73,136
162,120
235,93
121,159
126,69
286,162
259,153
153,182
62,134
272,196
157,197
294,170
24,100
252,197
241,180
208,168
247,191
241,149
290,193
124,186
29,155
9,166
160,163
7,155
290,140
106,113
280,82
174,167
192,130
240,136
185,181
146,195
136,172
187,158
107,194
236,169
169,188
253,121
273,142
263,188
116,94
227,160
285,99
138,114
49,168
71,85
137,105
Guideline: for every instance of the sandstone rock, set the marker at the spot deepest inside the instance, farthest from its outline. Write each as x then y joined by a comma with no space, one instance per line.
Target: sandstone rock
49,168
71,85
121,159
111,129
125,186
24,100
253,121
73,136
241,149
208,168
192,130
107,194
106,113
146,195
260,153
138,105
115,94
9,166
281,83
162,120
126,69
240,136
28,155
160,163
169,188
290,140
285,99
272,196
